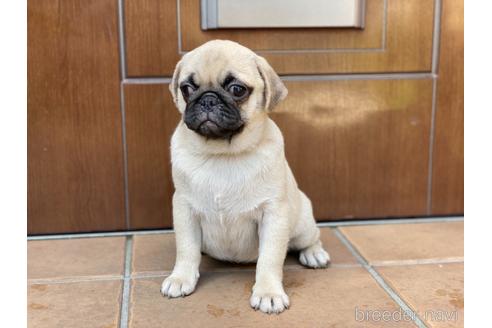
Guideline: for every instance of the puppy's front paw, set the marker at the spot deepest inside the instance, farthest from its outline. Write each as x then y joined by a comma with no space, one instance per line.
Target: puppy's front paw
179,285
273,300
314,257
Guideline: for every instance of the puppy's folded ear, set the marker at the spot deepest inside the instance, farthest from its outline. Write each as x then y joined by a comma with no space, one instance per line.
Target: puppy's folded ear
173,86
274,89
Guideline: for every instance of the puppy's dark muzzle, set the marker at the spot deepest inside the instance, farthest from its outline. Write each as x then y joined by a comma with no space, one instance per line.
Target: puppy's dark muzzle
209,116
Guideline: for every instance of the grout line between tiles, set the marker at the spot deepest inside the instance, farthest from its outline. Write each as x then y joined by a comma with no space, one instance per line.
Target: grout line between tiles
418,262
128,256
153,274
286,268
292,267
403,305
69,280
380,280
349,246
319,224
125,299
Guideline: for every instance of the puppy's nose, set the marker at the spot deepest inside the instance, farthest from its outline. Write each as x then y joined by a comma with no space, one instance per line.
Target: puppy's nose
209,100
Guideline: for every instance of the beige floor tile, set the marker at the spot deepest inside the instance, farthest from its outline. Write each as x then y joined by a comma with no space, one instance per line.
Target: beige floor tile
435,291
338,252
83,304
404,242
319,298
156,253
75,257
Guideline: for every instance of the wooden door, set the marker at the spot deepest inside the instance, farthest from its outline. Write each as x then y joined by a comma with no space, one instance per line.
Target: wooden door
365,122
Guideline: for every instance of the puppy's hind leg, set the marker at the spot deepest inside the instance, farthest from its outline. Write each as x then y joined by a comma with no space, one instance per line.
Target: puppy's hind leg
306,238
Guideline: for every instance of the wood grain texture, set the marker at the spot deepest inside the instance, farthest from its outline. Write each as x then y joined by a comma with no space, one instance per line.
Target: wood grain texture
408,47
152,48
448,159
286,39
151,37
359,149
75,161
150,121
355,147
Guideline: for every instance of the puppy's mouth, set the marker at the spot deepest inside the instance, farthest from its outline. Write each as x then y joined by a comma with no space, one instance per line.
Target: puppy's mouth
213,118
213,130
208,128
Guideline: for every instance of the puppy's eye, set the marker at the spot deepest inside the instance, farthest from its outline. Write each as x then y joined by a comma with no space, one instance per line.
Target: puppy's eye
237,91
187,90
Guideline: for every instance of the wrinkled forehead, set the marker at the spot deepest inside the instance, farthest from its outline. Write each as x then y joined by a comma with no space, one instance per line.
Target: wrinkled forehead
213,66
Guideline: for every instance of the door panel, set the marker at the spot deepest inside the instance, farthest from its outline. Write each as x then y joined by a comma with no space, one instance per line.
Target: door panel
150,121
357,148
75,159
397,38
448,159
151,37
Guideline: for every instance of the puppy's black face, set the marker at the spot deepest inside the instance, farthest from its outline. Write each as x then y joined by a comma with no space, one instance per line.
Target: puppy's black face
213,111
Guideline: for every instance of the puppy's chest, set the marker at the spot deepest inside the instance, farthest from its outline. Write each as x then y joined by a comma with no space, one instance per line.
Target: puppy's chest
229,207
231,238
222,191
226,198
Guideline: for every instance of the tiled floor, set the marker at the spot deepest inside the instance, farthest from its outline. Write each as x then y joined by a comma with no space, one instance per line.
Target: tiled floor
378,271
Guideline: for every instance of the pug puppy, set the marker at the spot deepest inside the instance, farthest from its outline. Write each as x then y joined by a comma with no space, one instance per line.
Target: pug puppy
236,198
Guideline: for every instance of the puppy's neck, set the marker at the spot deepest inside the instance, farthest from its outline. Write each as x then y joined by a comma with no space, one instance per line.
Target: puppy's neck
249,139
